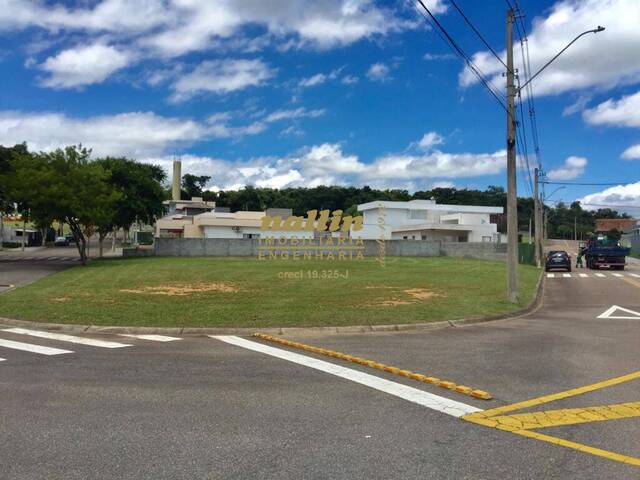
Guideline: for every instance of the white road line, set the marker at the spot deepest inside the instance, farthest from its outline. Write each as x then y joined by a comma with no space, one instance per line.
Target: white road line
2,359
583,275
27,347
601,275
429,400
635,275
153,338
617,275
551,275
566,275
66,338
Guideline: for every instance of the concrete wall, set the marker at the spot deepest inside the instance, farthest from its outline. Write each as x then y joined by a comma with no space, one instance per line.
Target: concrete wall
485,251
223,247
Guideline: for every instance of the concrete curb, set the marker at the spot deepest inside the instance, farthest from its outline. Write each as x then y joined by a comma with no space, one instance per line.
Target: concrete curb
201,331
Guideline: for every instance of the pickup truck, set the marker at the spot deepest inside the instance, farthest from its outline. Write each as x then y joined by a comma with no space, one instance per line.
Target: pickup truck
602,251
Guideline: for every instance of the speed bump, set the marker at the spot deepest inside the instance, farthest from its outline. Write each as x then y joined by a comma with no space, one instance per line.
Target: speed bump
481,394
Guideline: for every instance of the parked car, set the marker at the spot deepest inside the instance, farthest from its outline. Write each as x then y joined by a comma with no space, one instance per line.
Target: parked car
558,259
61,242
70,238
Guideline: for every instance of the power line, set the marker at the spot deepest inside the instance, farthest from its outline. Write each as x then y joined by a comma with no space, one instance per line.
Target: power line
458,51
477,32
591,184
610,206
523,134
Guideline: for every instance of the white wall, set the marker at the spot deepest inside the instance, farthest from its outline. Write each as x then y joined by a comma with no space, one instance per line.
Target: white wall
227,232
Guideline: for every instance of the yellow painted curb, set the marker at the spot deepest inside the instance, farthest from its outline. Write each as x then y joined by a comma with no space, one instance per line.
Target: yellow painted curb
380,366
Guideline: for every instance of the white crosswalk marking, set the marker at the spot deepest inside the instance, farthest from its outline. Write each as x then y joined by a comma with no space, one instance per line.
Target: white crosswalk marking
600,275
551,275
2,359
583,275
617,275
27,347
420,397
67,338
566,275
635,275
152,338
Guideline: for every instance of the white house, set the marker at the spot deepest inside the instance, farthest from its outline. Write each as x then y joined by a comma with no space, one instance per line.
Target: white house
426,220
215,224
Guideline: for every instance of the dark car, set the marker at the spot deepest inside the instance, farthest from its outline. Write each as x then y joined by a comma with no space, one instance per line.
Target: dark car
558,259
61,242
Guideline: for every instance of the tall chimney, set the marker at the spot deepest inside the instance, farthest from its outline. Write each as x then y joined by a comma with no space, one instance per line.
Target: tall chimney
177,178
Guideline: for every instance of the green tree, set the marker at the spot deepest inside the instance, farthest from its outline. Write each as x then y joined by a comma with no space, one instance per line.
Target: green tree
141,194
7,203
193,185
65,186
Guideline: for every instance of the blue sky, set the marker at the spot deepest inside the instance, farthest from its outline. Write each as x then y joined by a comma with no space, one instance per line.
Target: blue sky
301,93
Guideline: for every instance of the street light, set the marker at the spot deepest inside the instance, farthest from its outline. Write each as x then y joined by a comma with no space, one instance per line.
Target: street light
595,30
552,193
512,200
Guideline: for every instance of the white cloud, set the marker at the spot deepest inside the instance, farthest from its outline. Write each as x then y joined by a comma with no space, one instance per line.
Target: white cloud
378,72
293,114
601,60
136,133
349,79
443,185
573,167
108,15
631,153
430,139
221,76
183,26
81,66
577,106
438,56
328,164
624,112
620,195
314,80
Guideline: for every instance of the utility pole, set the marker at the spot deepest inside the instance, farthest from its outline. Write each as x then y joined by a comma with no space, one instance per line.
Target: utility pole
512,196
537,217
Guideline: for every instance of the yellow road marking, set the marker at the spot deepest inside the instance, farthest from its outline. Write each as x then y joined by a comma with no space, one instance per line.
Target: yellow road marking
565,416
632,282
522,423
580,447
560,395
380,366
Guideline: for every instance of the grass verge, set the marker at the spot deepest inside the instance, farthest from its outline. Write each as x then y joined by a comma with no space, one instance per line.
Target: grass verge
243,292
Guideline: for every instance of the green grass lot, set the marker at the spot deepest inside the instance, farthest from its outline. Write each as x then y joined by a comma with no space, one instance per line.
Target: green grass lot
242,292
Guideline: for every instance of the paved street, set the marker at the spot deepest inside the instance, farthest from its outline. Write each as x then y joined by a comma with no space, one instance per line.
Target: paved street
90,406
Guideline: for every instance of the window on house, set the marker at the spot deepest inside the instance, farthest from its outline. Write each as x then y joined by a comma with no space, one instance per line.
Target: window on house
486,239
424,237
405,238
250,235
418,214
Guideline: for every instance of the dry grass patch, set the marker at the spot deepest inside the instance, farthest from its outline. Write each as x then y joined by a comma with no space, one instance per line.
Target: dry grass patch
405,296
183,290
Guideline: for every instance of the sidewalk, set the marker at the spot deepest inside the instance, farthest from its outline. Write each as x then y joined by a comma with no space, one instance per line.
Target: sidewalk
58,253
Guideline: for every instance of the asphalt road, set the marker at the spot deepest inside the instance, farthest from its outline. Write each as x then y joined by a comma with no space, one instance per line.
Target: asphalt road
199,407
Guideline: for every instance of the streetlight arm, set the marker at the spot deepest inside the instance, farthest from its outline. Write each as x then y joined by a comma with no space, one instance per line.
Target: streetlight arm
595,30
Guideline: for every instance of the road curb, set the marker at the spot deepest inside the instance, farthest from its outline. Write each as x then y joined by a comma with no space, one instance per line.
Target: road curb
355,329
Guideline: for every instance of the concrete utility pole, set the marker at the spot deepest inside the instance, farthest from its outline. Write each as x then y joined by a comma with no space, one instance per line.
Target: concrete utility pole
537,243
512,195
